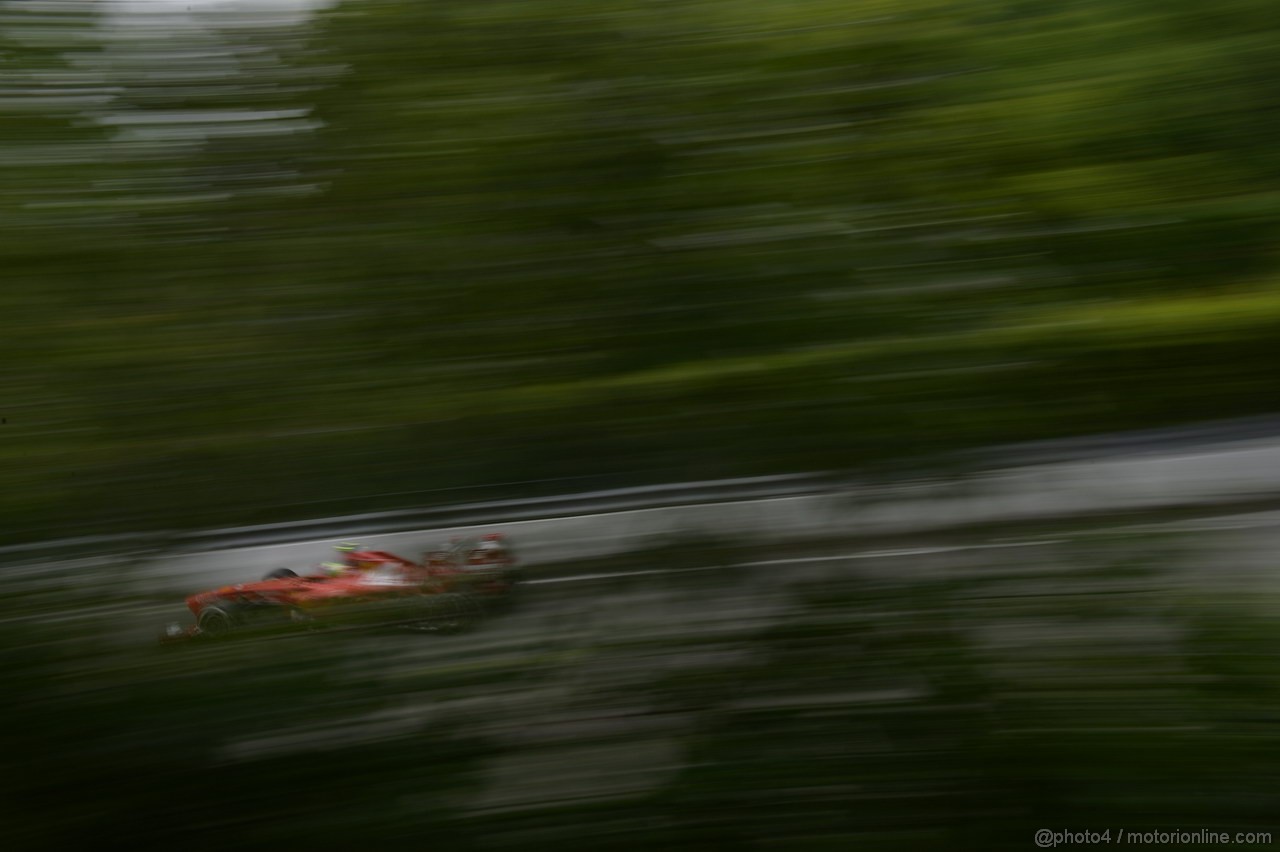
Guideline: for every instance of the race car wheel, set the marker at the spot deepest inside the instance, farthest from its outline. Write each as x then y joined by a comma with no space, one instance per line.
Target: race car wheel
506,592
280,574
214,623
302,618
452,613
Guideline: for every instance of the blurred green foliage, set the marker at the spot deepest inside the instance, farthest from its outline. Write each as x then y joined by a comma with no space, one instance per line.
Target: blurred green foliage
258,270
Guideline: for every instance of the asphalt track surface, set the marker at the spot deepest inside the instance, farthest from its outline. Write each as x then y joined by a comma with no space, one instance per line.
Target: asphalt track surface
1235,546
572,687
571,664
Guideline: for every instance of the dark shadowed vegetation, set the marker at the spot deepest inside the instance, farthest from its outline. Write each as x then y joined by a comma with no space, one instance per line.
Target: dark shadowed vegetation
956,701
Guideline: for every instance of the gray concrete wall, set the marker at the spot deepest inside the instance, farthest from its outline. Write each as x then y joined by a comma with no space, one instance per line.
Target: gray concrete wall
1220,473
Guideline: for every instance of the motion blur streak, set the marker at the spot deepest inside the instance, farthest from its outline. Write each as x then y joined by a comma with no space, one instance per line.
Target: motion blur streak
266,261
954,696
381,252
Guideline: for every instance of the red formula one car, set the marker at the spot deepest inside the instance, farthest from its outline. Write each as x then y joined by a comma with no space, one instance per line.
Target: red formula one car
449,590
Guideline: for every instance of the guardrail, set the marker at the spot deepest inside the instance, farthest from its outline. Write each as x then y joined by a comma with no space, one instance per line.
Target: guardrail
402,520
1035,459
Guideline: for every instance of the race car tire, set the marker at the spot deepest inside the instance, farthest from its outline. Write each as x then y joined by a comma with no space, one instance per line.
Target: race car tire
302,619
215,623
509,595
280,574
450,613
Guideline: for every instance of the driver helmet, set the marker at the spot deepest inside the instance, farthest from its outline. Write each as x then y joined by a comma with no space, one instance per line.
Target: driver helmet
493,546
345,551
